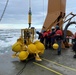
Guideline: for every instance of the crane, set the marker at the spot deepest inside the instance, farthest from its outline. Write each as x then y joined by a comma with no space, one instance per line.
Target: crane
56,16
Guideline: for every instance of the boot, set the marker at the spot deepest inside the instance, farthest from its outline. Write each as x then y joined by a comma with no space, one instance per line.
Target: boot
59,52
74,56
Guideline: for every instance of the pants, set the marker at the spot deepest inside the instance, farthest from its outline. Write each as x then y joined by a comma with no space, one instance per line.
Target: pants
47,42
59,48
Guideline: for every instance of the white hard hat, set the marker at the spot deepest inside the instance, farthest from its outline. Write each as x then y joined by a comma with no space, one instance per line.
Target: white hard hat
53,27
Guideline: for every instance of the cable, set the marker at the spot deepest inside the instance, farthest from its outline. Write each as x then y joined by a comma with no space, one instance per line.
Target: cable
22,69
43,10
4,10
19,73
29,3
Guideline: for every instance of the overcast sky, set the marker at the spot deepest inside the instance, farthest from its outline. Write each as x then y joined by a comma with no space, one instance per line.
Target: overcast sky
16,14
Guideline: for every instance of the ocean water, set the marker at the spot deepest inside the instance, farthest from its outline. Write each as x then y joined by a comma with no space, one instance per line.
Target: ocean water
9,36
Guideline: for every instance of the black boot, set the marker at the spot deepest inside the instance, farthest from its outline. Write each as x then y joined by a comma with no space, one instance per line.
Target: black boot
74,56
46,47
59,52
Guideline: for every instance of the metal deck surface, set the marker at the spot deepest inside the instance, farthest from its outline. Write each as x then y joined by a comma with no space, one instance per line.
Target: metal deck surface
51,64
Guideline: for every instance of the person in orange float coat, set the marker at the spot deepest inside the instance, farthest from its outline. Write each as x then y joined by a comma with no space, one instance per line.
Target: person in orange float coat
53,35
40,36
47,39
58,36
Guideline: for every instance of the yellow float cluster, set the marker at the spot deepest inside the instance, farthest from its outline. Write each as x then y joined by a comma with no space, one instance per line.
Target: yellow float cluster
23,51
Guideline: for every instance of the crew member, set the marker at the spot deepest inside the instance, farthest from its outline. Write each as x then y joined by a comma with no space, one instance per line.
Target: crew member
58,36
53,35
47,39
40,36
74,49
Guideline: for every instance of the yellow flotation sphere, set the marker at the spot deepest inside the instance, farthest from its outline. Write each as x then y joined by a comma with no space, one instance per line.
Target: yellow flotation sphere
36,41
31,48
55,46
23,55
40,47
16,47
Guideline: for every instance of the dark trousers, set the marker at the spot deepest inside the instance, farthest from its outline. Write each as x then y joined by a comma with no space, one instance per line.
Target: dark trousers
47,43
42,40
59,48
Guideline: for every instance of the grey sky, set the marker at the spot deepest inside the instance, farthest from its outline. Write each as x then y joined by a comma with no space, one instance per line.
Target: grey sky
16,14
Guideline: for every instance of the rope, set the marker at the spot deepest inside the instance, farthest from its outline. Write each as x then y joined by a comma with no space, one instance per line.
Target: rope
4,10
43,10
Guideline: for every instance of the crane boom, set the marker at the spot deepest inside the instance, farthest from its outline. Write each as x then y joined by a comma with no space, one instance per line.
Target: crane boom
55,9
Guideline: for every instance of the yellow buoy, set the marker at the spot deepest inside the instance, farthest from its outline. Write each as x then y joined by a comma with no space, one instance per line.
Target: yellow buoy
17,47
31,48
40,47
55,46
23,55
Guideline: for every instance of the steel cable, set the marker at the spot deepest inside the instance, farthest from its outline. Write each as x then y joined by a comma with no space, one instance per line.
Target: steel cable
4,10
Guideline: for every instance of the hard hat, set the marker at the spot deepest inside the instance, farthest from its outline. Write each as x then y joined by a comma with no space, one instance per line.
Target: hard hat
23,55
37,32
55,46
57,27
53,27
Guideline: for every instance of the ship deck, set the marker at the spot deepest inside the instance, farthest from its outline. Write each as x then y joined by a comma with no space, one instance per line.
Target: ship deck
51,64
